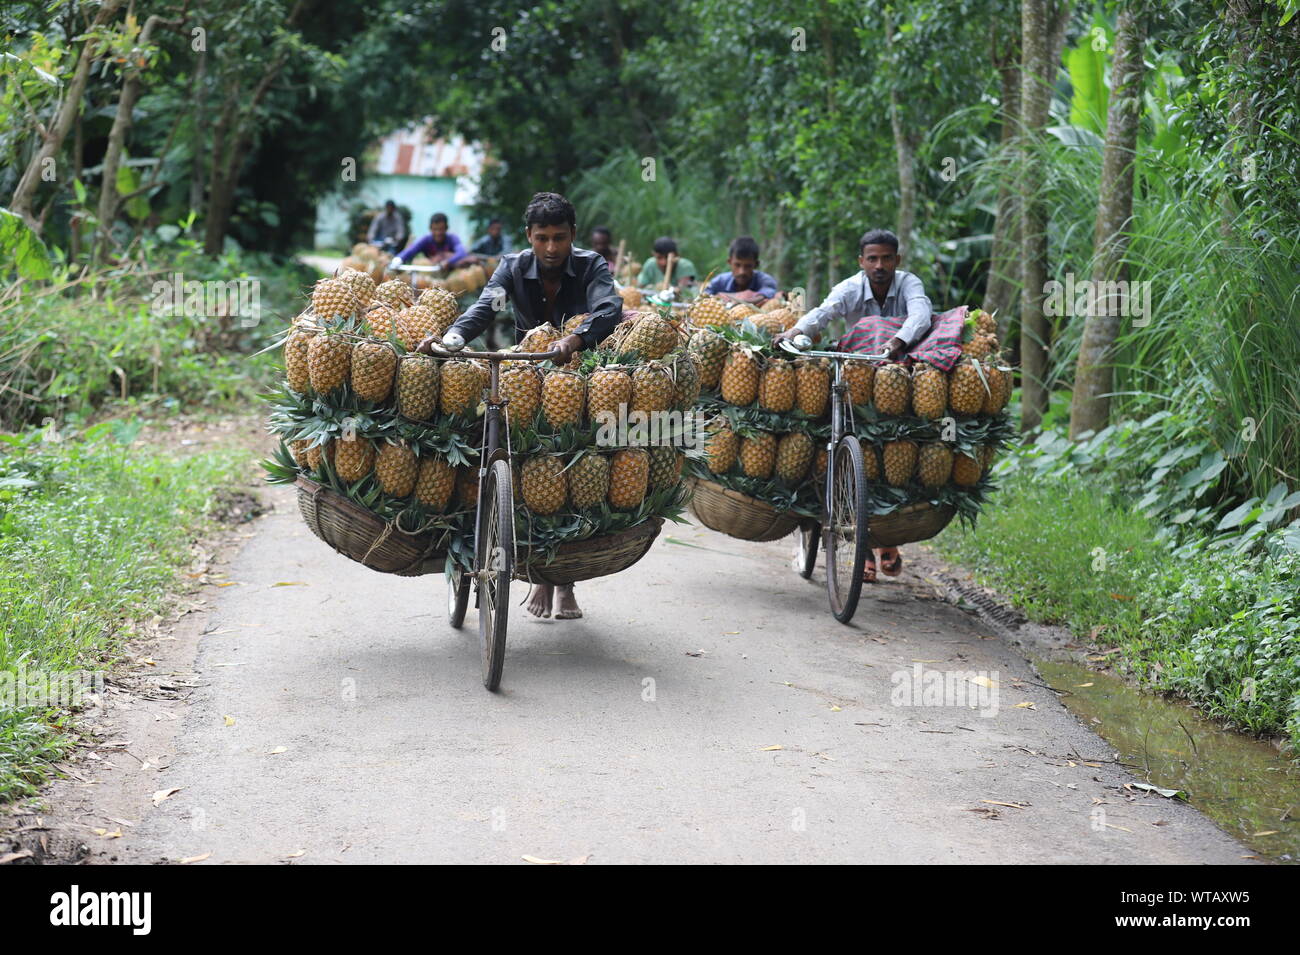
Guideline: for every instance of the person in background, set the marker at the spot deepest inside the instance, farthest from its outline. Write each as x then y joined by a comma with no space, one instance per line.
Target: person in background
602,241
492,245
388,228
440,246
879,288
652,273
744,283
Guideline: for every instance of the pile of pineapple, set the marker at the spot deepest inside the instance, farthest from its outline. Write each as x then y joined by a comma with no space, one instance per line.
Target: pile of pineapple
399,433
926,435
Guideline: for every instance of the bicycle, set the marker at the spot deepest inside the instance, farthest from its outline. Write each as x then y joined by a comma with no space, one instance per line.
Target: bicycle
843,527
494,542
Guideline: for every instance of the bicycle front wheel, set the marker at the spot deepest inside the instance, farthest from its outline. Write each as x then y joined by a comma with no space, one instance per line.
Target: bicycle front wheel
495,565
845,534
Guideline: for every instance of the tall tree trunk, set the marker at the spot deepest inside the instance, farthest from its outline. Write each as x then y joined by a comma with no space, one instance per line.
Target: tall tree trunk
108,196
1035,101
778,247
905,154
1000,292
21,202
196,145
1094,375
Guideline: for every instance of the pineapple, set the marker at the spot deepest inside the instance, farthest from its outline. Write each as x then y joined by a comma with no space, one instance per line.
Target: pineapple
665,467
417,387
461,387
416,323
776,388
999,389
373,367
608,389
329,359
334,299
563,396
966,469
629,474
589,481
572,325
686,375
354,459
739,384
467,486
721,447
966,389
900,462
859,376
540,338
299,451
892,391
709,310
794,455
652,388
543,483
929,392
296,361
631,297
934,464
521,386
741,311
710,350
396,468
769,324
984,322
382,321
434,483
316,452
981,346
758,455
819,466
362,285
443,306
651,337
396,294
812,387
871,461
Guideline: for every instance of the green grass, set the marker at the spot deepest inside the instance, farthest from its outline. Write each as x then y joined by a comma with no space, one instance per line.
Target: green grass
93,532
1223,632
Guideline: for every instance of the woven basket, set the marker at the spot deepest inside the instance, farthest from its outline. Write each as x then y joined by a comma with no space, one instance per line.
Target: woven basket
739,515
593,557
915,522
364,537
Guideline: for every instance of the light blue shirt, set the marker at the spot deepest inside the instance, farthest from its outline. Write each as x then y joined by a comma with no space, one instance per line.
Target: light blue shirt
853,299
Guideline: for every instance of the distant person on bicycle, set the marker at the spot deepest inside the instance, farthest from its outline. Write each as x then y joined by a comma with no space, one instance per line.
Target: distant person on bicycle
493,245
547,283
438,245
387,228
743,282
880,288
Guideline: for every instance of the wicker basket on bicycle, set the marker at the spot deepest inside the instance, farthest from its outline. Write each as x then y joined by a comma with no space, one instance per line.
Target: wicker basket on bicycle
593,557
362,536
908,524
738,515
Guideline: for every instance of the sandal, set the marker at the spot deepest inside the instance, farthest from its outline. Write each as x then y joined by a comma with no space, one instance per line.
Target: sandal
891,561
869,570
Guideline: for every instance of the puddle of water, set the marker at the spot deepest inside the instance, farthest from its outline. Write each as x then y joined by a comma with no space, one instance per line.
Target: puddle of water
1239,782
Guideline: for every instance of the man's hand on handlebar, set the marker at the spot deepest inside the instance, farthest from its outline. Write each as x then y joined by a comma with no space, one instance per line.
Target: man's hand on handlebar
569,345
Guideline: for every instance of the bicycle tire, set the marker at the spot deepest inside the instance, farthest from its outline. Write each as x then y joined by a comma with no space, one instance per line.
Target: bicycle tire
494,561
845,534
457,595
806,557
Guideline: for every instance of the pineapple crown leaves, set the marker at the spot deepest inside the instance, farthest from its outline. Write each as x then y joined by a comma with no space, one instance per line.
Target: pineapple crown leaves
280,468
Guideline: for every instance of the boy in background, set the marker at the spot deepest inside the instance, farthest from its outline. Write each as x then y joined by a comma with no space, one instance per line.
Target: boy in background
653,272
744,283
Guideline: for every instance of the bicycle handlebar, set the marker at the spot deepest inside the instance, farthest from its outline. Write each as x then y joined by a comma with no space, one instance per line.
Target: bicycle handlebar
440,352
787,345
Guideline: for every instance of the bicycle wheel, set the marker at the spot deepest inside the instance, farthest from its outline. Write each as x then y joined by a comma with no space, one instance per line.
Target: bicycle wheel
805,558
457,595
845,535
495,564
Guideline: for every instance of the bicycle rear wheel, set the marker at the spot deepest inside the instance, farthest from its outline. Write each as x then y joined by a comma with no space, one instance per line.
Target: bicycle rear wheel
845,535
457,595
495,564
805,559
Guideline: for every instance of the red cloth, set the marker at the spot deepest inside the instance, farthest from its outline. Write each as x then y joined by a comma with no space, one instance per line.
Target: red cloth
941,347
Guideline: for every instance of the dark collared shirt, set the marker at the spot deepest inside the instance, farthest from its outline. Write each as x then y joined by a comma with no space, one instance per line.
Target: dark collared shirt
586,286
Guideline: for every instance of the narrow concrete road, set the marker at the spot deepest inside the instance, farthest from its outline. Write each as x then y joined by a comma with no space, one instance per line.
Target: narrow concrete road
707,709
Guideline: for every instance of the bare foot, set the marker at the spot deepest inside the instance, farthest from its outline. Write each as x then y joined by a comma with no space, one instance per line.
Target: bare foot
891,561
539,601
567,605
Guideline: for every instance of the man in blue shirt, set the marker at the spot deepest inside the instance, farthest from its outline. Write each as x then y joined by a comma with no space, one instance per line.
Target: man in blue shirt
744,283
441,246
